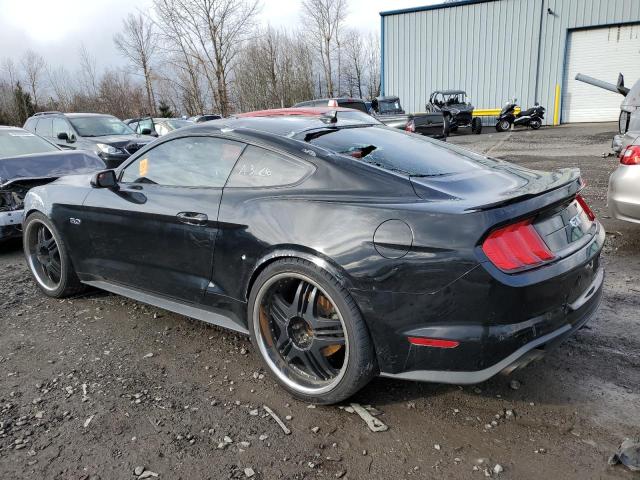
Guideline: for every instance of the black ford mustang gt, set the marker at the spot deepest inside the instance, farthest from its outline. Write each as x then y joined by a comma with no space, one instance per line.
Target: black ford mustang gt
345,248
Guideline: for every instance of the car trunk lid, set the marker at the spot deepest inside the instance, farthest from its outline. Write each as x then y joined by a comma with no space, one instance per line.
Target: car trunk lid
495,185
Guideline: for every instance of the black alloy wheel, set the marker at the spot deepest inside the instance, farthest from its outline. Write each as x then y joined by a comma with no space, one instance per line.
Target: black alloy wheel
305,332
44,256
47,258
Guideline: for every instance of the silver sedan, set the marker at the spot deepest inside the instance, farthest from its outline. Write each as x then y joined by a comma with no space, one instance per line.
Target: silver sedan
623,196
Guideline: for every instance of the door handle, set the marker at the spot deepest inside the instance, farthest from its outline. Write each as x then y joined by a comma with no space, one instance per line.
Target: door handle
192,218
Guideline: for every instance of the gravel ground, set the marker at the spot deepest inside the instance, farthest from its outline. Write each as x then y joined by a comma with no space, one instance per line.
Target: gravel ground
102,387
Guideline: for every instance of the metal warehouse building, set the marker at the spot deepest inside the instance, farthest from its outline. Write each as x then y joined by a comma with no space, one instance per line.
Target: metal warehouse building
500,49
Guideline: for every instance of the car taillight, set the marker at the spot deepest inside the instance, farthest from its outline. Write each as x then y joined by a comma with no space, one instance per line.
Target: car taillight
332,103
586,208
631,156
411,126
516,247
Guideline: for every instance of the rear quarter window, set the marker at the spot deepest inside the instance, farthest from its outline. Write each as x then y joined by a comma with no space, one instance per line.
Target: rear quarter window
260,168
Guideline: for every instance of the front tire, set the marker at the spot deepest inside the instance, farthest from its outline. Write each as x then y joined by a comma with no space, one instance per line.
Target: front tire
309,332
48,259
476,125
503,125
535,124
446,126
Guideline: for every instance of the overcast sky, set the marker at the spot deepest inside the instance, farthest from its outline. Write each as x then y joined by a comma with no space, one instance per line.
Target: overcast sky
56,28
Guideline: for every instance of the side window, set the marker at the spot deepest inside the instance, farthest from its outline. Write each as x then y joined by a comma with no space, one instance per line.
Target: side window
60,126
134,126
44,127
147,123
185,162
161,129
258,167
30,124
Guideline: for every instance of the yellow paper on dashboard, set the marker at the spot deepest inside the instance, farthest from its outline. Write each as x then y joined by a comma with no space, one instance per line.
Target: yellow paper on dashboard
144,167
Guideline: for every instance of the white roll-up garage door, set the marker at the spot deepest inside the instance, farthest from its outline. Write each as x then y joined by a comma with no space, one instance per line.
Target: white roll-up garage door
601,53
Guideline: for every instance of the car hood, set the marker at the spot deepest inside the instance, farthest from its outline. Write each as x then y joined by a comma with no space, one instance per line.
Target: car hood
121,140
492,185
48,165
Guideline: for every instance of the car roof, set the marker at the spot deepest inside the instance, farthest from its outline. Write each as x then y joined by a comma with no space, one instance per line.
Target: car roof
281,121
71,115
295,111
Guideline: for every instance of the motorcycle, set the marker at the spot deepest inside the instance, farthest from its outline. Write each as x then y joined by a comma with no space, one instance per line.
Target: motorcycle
531,117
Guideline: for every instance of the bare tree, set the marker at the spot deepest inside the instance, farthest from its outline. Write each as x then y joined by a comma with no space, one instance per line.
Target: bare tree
355,59
119,96
34,67
181,56
325,18
138,43
88,72
213,32
372,64
277,71
9,71
61,86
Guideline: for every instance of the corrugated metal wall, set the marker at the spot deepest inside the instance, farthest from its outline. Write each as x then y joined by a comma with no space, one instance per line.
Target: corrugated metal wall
489,49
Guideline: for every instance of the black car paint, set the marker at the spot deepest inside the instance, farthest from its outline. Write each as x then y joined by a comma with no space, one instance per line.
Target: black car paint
440,284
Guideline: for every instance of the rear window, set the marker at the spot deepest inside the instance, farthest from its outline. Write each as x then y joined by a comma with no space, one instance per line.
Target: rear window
355,105
397,151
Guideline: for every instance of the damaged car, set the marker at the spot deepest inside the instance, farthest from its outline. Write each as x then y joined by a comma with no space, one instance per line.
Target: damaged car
346,249
105,135
26,161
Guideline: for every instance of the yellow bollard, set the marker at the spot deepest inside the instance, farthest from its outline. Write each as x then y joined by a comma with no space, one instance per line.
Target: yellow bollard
556,106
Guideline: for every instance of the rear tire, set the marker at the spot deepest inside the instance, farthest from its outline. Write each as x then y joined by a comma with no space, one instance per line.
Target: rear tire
476,125
309,332
48,259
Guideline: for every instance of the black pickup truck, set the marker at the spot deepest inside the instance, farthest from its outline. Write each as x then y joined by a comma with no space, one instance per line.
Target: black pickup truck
389,111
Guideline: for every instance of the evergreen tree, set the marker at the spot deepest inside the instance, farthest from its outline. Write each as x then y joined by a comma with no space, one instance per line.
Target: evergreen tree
165,110
24,104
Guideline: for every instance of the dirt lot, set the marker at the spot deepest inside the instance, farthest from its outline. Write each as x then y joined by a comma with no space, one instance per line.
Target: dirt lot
96,386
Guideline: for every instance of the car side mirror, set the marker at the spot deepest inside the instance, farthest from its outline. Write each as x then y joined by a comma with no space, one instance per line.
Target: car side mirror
63,136
145,131
105,179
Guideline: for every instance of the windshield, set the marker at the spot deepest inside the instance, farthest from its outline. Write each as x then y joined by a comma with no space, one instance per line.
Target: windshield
397,151
17,142
456,99
178,123
387,106
99,126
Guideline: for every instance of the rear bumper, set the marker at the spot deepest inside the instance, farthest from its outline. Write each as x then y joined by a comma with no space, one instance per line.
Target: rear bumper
623,196
582,309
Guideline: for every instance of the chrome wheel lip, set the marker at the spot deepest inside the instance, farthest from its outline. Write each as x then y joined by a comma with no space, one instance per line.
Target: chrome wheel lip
264,350
32,255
